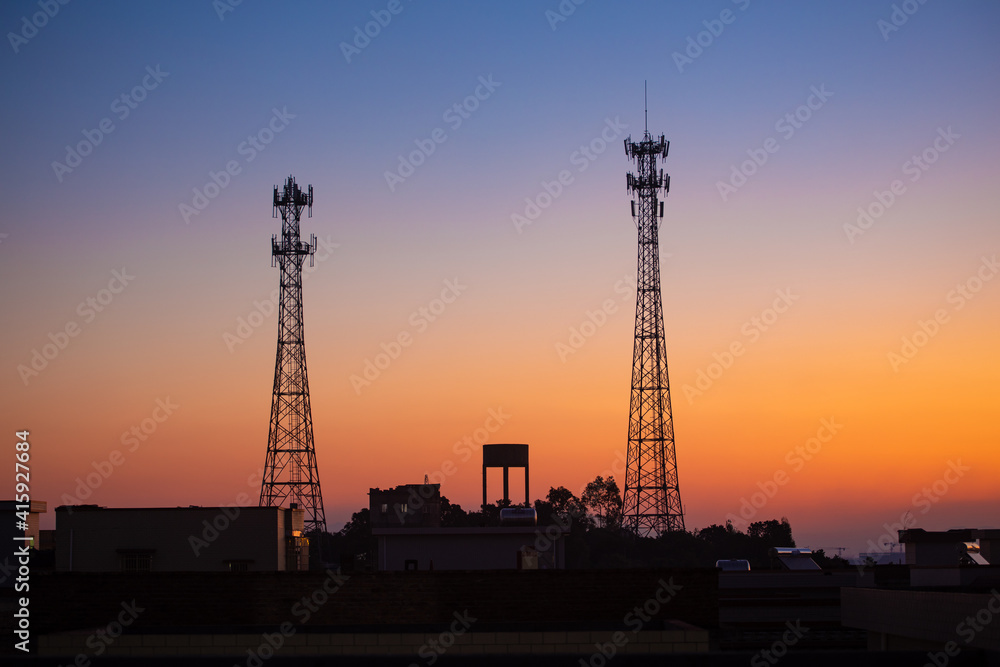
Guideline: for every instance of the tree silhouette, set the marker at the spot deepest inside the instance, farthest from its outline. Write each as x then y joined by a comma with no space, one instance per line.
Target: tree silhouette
600,544
604,501
778,534
452,515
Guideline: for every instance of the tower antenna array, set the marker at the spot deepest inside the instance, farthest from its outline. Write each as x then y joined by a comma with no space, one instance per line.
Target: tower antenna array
652,498
290,472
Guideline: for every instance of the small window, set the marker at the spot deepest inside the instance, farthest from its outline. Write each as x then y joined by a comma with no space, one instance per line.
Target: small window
237,565
385,508
402,508
133,562
409,565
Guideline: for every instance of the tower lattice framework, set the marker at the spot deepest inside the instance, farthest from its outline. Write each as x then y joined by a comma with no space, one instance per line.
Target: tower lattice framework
290,471
652,498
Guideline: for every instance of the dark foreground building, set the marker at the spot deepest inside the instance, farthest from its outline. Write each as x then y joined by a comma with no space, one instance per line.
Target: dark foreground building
660,616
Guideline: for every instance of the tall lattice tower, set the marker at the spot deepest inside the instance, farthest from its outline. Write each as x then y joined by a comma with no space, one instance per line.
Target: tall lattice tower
290,472
652,501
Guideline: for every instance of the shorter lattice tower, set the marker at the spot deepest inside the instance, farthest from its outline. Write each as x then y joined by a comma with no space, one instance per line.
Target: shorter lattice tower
290,472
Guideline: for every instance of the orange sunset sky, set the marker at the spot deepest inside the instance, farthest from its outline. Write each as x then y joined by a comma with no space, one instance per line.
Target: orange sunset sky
191,323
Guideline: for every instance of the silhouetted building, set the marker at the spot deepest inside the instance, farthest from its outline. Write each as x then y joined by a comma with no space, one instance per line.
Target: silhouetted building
407,505
948,604
383,618
180,539
943,623
471,548
406,523
950,548
755,608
